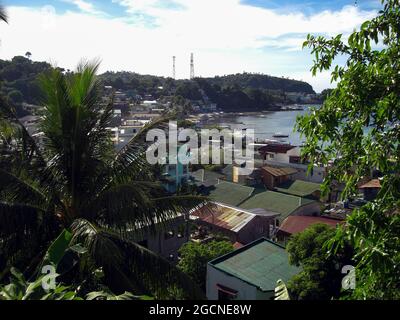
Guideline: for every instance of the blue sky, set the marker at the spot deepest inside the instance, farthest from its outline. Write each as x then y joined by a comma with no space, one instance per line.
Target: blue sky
226,36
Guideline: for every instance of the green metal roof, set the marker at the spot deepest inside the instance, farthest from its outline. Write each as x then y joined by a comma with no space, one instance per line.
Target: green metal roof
230,193
281,203
299,188
261,263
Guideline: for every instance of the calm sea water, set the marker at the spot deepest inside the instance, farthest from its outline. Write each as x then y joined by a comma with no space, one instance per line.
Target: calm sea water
267,124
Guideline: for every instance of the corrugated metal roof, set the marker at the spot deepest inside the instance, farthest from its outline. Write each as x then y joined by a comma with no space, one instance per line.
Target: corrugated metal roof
296,224
229,193
278,172
225,217
261,264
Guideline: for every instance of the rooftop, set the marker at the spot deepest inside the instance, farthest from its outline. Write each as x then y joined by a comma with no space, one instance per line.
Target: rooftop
224,216
299,188
374,183
296,224
281,203
230,193
260,263
206,178
279,172
277,148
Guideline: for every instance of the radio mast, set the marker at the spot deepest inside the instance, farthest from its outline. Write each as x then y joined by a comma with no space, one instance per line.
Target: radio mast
191,67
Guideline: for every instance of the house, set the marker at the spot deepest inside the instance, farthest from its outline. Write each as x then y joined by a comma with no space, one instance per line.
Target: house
165,240
284,204
249,273
274,176
207,178
286,155
239,225
296,224
175,173
370,189
280,152
301,189
229,193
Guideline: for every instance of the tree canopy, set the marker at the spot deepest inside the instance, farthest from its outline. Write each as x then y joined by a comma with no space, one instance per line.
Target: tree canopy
358,127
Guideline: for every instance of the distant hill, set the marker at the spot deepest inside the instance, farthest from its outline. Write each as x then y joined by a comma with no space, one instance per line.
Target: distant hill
238,92
244,92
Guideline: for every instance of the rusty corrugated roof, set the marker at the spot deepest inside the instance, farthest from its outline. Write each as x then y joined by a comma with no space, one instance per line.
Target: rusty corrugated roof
296,224
278,172
225,217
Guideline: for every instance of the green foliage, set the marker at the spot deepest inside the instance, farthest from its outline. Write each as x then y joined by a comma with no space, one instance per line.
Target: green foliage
195,256
359,127
20,289
320,278
75,181
19,79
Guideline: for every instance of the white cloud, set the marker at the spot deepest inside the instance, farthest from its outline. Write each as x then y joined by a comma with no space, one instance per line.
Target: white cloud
225,35
84,6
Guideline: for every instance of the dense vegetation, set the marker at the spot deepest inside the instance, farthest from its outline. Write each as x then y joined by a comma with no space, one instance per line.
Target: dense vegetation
367,95
247,92
195,256
74,188
19,80
321,275
231,93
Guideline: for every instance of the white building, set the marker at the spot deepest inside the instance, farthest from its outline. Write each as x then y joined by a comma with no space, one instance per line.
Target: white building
249,273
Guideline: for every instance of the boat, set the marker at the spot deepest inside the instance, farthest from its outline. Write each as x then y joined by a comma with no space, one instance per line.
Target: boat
280,135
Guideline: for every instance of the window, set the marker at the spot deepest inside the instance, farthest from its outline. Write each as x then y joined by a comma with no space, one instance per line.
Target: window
225,293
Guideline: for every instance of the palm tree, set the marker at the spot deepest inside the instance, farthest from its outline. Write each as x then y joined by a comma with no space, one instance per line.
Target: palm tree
74,180
3,14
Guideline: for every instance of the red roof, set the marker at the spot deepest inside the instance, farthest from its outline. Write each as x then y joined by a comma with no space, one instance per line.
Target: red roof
296,224
277,148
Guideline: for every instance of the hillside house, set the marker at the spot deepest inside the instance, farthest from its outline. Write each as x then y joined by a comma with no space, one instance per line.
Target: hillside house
249,273
239,225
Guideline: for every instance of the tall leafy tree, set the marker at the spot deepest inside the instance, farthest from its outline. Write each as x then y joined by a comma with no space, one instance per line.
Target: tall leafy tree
74,180
359,127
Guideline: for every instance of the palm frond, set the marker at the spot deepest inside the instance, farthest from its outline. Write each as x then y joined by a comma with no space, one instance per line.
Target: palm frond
3,14
137,267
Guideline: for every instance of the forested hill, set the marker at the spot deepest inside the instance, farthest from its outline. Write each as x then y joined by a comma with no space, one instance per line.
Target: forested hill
261,81
246,91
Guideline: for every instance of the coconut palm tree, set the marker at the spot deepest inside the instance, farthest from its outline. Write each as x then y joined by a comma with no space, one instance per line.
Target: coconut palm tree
74,180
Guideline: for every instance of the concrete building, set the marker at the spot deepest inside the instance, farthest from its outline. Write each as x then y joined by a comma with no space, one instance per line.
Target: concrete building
239,225
166,240
249,273
274,176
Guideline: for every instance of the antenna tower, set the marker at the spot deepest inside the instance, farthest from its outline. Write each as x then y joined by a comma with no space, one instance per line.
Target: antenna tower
173,67
191,67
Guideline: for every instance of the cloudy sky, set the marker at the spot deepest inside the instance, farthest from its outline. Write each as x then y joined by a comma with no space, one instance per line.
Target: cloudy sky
226,36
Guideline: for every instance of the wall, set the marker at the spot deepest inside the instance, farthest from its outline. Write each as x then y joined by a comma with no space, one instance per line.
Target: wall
165,246
317,176
215,276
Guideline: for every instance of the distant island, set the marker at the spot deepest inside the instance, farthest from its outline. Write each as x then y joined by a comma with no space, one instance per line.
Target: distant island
245,92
